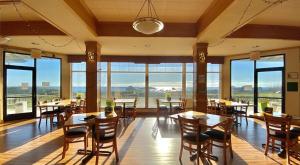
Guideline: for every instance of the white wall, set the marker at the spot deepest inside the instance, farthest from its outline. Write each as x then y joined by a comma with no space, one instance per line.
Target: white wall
292,64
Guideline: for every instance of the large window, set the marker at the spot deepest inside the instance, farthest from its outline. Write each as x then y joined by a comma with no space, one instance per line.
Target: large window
48,80
164,78
103,79
213,81
128,81
189,80
242,80
78,80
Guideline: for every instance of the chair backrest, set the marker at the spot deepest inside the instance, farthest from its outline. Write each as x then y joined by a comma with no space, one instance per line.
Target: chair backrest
157,103
279,125
42,108
105,127
135,100
183,103
223,108
189,126
268,110
227,126
213,104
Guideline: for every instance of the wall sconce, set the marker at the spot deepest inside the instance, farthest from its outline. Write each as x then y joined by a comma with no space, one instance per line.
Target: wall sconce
91,56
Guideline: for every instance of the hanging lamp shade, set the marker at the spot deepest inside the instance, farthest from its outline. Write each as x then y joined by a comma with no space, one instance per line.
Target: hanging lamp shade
150,24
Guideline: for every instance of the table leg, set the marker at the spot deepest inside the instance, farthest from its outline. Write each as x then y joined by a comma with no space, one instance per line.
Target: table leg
124,114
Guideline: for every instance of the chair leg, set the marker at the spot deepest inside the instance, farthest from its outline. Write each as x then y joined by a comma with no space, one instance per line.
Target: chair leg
267,147
40,121
198,154
225,153
273,144
85,144
246,119
230,147
64,149
180,153
116,150
97,154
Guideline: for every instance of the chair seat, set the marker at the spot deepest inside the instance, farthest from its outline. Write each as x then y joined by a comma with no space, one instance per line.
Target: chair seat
129,107
295,130
77,131
216,134
240,112
118,108
163,107
282,135
193,137
178,108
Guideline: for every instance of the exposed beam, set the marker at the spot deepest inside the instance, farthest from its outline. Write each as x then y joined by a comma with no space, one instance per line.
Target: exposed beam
147,59
15,28
8,2
211,14
125,29
68,16
267,32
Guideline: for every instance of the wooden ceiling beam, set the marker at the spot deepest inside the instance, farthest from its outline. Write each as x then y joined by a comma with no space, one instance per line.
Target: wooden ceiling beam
124,29
211,14
267,32
16,28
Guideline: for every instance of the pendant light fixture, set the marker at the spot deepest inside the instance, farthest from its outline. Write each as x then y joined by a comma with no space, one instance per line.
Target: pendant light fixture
150,24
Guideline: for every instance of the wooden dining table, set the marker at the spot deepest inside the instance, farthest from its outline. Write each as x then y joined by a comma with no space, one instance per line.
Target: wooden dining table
229,103
83,120
206,120
124,102
170,102
60,103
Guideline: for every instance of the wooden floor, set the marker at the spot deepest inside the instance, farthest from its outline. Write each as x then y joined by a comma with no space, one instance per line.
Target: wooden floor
143,141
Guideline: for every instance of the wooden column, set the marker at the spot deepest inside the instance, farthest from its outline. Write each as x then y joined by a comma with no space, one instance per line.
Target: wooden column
92,87
200,63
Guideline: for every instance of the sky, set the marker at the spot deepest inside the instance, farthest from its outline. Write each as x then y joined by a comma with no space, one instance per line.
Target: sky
48,70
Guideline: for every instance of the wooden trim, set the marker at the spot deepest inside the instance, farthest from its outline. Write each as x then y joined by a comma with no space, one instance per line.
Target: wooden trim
147,59
211,13
27,50
15,28
125,29
267,32
9,2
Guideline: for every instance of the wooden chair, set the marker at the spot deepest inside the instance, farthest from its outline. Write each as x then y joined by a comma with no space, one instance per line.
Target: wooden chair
73,135
44,113
117,108
268,110
222,138
106,133
243,112
73,107
191,136
160,108
82,107
213,107
181,107
131,110
278,129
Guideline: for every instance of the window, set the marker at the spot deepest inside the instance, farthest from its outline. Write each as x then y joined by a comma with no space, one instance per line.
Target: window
48,78
128,81
270,62
78,80
103,79
18,59
213,81
189,80
242,80
164,78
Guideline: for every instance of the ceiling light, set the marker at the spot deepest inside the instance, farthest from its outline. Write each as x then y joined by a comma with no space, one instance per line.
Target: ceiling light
149,24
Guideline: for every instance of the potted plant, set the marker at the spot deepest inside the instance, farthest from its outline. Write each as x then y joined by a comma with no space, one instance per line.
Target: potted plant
78,96
109,106
168,96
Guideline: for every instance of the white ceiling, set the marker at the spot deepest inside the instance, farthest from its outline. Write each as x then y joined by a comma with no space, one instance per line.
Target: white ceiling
286,13
9,13
167,10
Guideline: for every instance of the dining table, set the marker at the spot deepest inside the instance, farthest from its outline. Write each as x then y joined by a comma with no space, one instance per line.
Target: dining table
170,102
229,103
206,120
124,102
88,119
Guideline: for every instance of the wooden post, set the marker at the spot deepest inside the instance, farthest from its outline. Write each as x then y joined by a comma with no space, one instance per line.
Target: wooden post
92,87
200,70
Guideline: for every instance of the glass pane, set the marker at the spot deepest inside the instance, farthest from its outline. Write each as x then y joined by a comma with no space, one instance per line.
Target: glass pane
18,59
129,85
189,67
165,67
162,83
213,67
269,84
270,61
103,66
242,80
269,102
19,91
48,80
213,85
79,66
127,67
78,84
103,88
